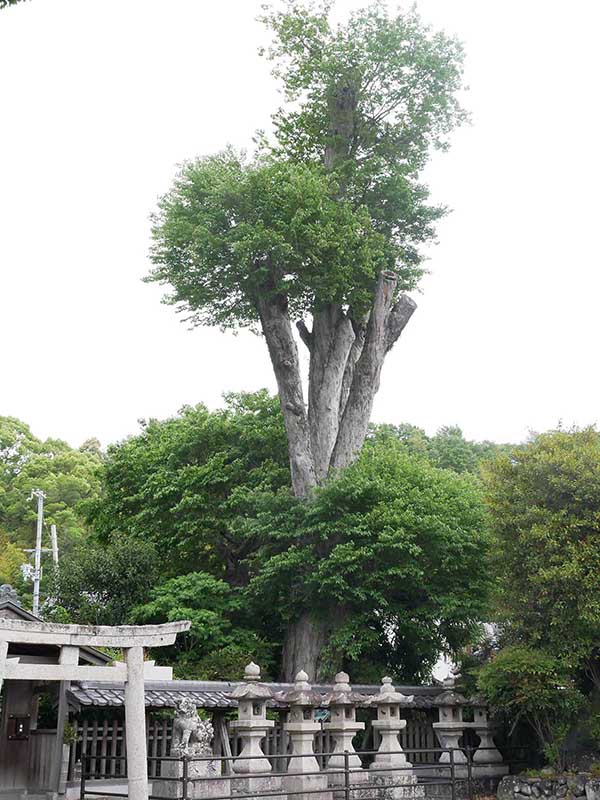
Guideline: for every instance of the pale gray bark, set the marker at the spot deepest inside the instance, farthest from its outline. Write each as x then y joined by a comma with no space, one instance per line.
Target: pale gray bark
283,351
355,351
346,358
385,325
303,646
306,641
331,340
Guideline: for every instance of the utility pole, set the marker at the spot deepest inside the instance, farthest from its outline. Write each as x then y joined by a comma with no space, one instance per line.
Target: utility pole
37,569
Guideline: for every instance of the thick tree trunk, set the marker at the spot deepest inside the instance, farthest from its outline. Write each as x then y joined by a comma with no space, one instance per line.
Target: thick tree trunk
346,357
385,325
284,357
330,343
345,366
306,642
303,646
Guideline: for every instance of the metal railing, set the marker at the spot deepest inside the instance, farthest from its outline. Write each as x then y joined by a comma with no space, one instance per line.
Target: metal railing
453,777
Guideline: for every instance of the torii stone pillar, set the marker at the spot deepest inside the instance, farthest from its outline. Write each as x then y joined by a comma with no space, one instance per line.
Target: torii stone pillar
132,639
135,723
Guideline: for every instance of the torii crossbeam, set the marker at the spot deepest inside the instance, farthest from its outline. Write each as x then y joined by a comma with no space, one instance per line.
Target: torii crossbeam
131,639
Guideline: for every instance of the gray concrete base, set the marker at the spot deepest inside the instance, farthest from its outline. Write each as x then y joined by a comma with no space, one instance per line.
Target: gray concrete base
257,785
386,788
306,783
203,780
360,788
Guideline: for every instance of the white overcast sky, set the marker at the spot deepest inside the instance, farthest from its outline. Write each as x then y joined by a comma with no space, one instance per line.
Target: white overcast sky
100,100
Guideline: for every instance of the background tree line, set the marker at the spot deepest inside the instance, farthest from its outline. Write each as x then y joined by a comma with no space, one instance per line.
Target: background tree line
195,517
421,541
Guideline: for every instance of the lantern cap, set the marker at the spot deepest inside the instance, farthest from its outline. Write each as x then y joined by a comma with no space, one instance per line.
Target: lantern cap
388,696
251,689
300,694
450,697
478,701
342,694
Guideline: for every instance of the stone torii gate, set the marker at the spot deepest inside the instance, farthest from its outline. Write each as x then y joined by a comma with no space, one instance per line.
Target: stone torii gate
131,639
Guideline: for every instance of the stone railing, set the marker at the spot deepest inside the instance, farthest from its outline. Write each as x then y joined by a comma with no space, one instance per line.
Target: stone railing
387,773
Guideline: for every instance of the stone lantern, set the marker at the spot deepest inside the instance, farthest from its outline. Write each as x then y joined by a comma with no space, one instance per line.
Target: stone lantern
451,726
389,724
487,760
391,767
342,726
252,723
303,768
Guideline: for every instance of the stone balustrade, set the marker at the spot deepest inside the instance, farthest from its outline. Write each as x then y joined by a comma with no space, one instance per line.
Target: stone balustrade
390,775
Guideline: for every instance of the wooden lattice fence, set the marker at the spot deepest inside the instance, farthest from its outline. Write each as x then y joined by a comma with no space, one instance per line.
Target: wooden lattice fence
103,743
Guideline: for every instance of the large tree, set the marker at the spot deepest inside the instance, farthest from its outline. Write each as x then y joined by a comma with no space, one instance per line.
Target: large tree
323,227
544,503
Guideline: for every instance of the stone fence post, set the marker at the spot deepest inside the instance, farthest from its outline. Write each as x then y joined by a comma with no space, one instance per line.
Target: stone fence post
252,725
303,769
342,702
391,765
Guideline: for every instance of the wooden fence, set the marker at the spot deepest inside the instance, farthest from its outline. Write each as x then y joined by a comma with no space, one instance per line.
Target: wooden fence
41,757
103,742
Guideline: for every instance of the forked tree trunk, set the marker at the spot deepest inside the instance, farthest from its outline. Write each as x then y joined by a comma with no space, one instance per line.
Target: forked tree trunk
346,358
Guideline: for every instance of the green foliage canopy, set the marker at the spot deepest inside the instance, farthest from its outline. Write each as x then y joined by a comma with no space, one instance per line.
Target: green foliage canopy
68,478
183,483
447,449
370,98
397,543
100,585
544,502
334,200
11,559
230,231
531,684
221,640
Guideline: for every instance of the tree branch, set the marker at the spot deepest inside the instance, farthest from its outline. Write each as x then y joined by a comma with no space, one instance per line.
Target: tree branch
305,334
397,320
359,329
277,329
367,371
332,338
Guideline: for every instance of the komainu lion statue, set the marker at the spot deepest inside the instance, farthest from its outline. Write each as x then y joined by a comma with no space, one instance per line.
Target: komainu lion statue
192,736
